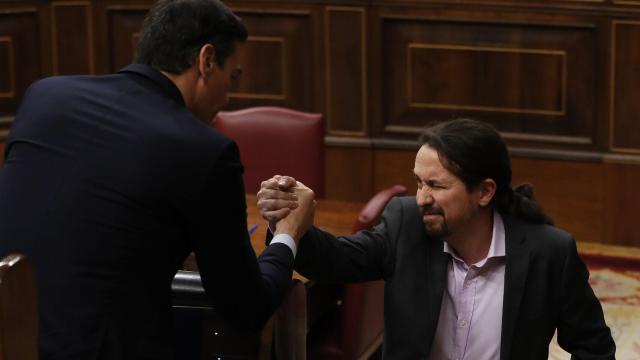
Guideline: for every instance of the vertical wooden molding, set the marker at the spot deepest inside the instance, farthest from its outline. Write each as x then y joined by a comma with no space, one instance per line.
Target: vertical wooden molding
331,110
5,125
612,92
89,32
134,43
11,92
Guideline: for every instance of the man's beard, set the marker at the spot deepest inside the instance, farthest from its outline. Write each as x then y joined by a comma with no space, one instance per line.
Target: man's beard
435,227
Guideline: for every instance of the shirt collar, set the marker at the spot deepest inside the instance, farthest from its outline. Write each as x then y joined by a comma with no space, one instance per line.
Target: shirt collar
157,77
497,247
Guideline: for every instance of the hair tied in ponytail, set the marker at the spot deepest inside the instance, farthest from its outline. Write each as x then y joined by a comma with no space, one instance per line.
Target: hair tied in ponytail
525,190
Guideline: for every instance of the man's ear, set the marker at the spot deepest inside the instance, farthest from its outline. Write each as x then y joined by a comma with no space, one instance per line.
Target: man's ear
486,190
206,60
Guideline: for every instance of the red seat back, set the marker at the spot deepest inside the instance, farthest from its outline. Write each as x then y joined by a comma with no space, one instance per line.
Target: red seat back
277,141
362,319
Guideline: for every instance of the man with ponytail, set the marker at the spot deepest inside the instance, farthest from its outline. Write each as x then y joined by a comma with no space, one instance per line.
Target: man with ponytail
474,268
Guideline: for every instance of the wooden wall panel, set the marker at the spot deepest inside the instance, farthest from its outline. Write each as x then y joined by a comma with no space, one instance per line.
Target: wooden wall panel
393,167
124,25
259,84
279,60
7,68
20,56
625,86
559,78
626,2
595,202
72,38
348,173
572,193
622,204
534,80
5,125
495,71
345,40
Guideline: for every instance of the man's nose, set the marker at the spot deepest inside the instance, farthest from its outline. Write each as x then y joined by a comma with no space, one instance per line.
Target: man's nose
424,196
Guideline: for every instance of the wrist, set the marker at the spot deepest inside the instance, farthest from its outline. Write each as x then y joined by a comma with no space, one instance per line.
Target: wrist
283,229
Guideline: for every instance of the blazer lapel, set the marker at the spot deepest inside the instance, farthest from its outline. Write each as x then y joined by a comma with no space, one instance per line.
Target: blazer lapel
516,269
437,262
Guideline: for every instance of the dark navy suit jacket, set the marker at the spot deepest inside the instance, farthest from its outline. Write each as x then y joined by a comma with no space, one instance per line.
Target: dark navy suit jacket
108,183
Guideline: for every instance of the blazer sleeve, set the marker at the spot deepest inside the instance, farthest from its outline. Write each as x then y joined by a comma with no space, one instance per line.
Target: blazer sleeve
582,330
244,292
364,256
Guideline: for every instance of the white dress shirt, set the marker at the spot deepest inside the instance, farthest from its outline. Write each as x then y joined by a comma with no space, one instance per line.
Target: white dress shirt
287,240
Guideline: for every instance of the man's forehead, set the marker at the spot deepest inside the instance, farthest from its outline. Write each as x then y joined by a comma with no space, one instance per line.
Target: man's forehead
429,164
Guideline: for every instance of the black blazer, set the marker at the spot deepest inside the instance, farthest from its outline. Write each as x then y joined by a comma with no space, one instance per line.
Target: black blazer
108,183
546,285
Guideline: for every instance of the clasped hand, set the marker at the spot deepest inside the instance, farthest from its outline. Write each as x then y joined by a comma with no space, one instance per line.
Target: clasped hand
287,204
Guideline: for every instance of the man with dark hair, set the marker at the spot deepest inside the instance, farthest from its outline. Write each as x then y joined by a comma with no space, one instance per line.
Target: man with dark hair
472,268
110,181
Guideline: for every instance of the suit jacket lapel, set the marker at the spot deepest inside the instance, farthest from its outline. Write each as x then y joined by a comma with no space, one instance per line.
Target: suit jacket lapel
437,264
516,269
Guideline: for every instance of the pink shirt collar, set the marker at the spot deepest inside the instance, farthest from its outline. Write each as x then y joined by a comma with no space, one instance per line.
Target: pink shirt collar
497,247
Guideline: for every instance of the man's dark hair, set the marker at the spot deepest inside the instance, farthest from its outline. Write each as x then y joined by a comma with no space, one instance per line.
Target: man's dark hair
473,151
174,31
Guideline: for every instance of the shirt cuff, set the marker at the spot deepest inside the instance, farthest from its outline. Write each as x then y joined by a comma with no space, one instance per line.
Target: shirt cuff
287,240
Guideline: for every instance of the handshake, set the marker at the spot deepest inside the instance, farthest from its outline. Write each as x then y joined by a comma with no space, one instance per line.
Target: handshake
288,205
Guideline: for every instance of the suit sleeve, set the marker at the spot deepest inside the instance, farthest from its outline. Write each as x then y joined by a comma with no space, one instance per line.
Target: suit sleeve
582,330
244,292
365,256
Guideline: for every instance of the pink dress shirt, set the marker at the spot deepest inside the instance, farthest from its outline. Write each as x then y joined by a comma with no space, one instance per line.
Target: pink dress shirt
470,322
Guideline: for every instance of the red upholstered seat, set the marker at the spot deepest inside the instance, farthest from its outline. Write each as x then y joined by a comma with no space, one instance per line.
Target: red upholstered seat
18,309
277,141
357,329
